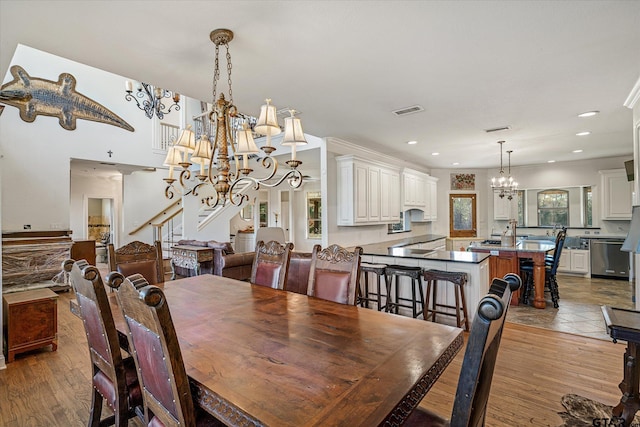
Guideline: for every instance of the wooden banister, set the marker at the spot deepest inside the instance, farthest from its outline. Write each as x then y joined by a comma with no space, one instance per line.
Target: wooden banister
161,217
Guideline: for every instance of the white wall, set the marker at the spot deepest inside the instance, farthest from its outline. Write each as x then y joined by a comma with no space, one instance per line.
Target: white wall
37,155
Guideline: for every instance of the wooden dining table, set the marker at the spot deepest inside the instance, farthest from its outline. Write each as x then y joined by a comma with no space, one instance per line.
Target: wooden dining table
266,357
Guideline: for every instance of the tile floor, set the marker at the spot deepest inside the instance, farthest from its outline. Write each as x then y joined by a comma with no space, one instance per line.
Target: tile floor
579,312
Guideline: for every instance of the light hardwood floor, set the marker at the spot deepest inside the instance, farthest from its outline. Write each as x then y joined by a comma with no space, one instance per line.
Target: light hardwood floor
535,368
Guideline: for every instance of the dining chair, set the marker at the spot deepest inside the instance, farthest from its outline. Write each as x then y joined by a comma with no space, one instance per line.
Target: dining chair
166,392
271,264
334,274
474,383
550,270
114,378
138,257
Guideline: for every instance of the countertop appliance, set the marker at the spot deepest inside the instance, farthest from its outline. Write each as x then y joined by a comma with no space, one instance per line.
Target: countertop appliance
607,261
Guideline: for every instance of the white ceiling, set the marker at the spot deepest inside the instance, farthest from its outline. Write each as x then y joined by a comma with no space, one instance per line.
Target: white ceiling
531,65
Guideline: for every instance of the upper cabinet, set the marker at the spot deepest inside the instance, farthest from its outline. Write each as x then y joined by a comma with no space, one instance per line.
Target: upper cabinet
420,191
616,192
368,192
501,207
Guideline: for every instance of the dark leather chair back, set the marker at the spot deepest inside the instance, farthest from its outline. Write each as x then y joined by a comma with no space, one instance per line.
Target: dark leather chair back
113,377
166,393
334,274
270,264
474,384
138,257
298,275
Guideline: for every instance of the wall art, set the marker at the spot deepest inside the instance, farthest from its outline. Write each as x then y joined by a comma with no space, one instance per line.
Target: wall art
463,181
34,96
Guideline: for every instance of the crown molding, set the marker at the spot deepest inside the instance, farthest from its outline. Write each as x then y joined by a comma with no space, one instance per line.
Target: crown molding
634,96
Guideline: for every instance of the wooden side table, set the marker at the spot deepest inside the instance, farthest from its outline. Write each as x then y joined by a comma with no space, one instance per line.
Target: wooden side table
625,325
192,258
30,321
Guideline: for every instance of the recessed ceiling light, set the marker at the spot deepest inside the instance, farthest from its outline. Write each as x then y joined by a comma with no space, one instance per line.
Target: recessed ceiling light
577,151
588,113
412,142
455,163
583,133
435,154
551,161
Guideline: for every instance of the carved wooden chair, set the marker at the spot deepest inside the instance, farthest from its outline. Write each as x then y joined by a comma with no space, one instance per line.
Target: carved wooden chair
334,274
166,392
114,378
474,383
271,264
138,257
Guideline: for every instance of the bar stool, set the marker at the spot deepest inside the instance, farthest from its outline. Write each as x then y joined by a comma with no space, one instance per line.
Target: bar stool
415,274
456,278
366,296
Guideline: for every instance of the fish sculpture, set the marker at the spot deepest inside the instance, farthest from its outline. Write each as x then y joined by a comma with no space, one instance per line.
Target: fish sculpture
34,96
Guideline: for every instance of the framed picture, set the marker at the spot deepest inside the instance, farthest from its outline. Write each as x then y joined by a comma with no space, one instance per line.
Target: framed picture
463,181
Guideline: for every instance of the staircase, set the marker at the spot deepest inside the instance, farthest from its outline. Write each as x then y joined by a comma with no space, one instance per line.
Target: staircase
207,215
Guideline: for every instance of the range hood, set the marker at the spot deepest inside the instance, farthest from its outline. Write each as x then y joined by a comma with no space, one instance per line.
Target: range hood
632,242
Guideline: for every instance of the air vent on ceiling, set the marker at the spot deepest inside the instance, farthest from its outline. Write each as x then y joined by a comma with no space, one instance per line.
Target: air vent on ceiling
497,129
107,164
408,110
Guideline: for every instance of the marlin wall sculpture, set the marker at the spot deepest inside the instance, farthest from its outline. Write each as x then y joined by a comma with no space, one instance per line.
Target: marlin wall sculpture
34,96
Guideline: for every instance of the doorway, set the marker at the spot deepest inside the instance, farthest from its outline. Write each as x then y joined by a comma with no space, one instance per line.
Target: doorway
99,224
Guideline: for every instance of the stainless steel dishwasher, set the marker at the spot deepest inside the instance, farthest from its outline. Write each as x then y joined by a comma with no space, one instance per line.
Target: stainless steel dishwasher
607,260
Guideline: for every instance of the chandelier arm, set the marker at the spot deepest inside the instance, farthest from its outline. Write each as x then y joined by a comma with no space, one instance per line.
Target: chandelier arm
170,191
185,175
194,190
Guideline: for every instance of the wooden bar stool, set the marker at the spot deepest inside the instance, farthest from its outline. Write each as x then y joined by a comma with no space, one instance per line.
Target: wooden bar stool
458,279
416,302
364,295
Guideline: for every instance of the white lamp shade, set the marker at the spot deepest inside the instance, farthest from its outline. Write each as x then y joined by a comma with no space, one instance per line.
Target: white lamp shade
203,150
293,134
174,157
186,141
246,144
268,121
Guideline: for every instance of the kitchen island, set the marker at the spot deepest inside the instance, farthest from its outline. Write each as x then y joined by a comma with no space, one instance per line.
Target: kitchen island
505,259
408,252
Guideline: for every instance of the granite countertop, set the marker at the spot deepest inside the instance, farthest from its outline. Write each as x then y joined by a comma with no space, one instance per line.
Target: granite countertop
521,245
377,248
396,248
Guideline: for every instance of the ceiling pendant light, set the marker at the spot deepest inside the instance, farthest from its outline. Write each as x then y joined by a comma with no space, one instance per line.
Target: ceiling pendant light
233,140
504,186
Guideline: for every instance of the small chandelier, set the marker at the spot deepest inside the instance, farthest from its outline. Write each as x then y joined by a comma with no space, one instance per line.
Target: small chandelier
233,131
151,98
504,186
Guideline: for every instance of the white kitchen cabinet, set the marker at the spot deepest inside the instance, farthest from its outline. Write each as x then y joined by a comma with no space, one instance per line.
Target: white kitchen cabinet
501,207
431,208
580,261
368,192
616,193
389,195
413,190
574,261
420,191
